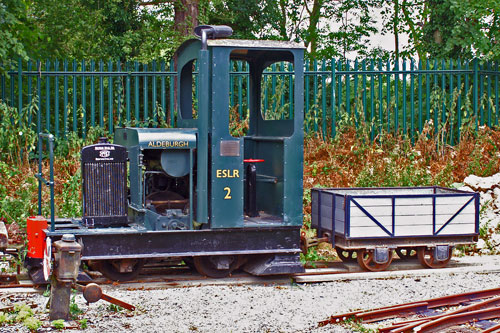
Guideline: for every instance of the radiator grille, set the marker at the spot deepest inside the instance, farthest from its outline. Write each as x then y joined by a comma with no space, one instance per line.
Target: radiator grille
104,174
105,190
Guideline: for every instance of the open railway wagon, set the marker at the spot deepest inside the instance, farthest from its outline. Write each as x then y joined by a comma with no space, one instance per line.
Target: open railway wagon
367,224
195,192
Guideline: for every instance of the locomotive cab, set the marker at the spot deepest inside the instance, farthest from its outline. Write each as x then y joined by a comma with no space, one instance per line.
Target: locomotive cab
254,179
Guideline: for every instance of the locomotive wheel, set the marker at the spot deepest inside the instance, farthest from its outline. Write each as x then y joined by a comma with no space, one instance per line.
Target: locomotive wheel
111,269
406,253
208,265
427,259
346,255
365,260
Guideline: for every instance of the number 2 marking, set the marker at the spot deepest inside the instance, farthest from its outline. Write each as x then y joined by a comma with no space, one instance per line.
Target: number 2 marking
228,193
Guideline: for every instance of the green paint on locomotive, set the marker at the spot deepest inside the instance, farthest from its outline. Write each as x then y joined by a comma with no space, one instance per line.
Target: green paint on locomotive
202,153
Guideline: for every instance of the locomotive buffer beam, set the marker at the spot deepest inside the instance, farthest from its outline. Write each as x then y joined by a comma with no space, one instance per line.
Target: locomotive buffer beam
103,244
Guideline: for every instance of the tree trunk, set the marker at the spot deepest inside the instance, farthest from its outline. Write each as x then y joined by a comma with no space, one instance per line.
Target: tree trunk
282,20
312,29
186,16
396,28
416,37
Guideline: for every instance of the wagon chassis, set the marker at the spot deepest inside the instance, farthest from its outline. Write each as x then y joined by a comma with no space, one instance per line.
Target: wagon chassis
370,243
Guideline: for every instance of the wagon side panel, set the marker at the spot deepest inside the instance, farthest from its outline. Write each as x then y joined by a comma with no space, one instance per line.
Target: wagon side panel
315,208
327,212
370,217
455,215
413,216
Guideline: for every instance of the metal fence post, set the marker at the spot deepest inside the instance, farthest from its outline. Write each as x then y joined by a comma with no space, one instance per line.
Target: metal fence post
474,91
20,86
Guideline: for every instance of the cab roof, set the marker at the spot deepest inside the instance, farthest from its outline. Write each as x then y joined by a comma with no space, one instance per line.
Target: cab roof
243,43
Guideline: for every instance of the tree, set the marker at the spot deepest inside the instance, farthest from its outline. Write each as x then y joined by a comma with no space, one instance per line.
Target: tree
15,32
249,19
465,28
312,21
448,28
186,16
357,23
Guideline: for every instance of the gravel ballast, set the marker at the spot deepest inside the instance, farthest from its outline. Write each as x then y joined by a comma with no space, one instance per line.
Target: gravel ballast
258,308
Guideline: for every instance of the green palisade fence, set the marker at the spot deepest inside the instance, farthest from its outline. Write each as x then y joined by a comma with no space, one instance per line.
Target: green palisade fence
400,98
75,95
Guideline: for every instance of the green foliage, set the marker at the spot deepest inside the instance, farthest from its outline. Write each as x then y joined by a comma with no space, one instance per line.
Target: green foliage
357,24
58,324
83,323
4,318
114,308
46,293
356,326
16,206
395,173
74,310
134,30
17,138
22,313
32,323
117,29
249,19
16,32
458,28
311,256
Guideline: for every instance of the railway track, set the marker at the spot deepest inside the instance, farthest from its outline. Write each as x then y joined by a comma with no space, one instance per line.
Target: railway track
433,315
160,275
427,315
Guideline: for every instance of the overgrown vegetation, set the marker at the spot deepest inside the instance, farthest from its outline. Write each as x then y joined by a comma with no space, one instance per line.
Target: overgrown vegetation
19,165
21,313
34,318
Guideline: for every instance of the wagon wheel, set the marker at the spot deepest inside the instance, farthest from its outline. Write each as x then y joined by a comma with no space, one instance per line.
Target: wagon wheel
208,265
111,269
406,253
427,259
346,255
366,261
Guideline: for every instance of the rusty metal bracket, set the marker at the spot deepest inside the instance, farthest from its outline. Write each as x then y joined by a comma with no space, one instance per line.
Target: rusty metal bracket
306,243
93,292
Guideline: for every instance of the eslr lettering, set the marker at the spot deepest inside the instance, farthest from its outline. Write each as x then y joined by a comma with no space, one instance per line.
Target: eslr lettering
226,173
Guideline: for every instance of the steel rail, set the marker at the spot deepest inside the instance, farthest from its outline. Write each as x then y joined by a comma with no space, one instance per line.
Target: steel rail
432,303
458,319
493,329
489,303
398,325
377,315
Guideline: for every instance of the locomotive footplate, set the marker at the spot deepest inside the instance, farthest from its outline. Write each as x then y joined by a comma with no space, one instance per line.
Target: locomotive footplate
121,243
